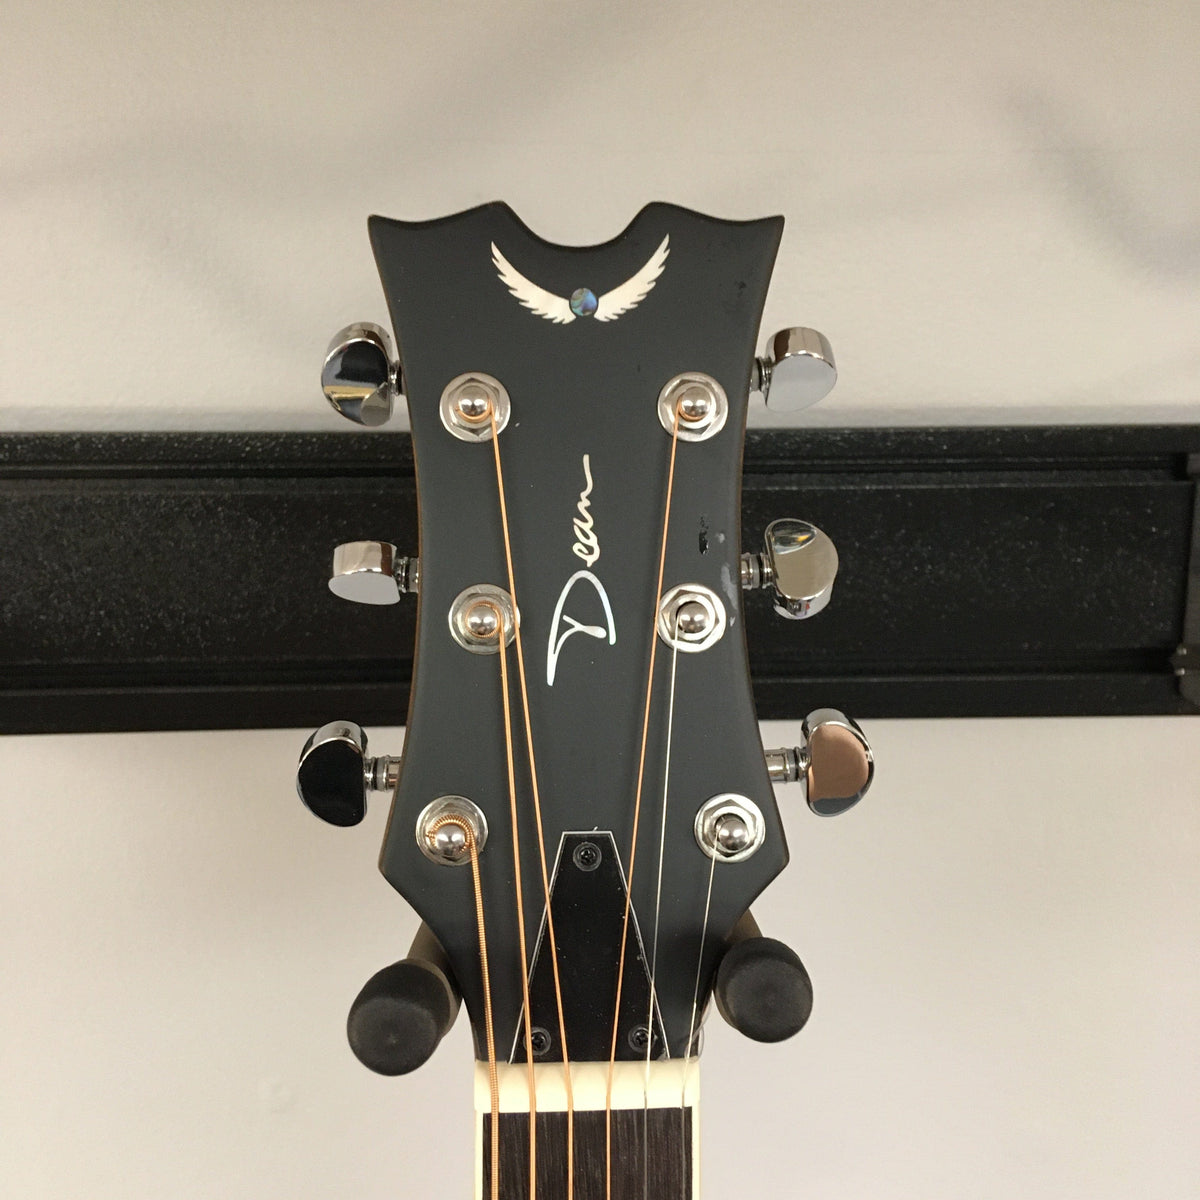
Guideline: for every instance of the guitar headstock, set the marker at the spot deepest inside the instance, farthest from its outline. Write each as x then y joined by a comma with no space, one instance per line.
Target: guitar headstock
583,790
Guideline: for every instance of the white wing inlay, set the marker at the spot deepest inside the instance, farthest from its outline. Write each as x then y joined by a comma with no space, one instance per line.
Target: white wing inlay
545,304
635,289
558,308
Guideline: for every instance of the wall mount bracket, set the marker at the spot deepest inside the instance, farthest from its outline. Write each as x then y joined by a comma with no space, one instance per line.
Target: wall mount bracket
178,581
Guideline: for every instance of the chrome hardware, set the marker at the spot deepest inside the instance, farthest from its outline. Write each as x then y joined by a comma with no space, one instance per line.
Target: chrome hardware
467,402
691,618
835,764
335,774
729,827
360,377
372,573
702,403
799,563
442,830
797,370
472,616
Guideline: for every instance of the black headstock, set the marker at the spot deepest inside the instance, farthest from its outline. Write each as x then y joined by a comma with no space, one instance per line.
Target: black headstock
581,730
585,459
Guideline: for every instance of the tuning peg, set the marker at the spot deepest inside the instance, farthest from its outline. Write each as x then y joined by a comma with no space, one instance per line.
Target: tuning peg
799,563
404,1011
372,573
360,376
796,371
835,763
335,774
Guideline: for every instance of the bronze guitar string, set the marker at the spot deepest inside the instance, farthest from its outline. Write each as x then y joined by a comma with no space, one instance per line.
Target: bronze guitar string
489,1030
537,808
693,1033
637,810
512,803
662,842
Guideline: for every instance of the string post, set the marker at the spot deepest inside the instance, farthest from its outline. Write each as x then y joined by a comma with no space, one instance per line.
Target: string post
483,620
692,407
451,830
475,406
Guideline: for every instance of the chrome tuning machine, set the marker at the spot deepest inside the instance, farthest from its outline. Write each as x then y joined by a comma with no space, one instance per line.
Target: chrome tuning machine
798,562
796,371
372,573
835,763
335,774
361,376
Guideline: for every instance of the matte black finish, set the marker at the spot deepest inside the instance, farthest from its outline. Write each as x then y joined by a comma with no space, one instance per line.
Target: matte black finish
582,393
763,990
652,1155
178,581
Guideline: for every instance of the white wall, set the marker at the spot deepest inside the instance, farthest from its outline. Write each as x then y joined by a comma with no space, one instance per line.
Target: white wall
992,211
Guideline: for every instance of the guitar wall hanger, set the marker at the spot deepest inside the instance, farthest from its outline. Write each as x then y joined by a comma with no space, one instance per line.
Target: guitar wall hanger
579,583
938,531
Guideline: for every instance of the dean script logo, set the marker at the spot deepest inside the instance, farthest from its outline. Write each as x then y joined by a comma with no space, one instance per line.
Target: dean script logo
583,302
586,547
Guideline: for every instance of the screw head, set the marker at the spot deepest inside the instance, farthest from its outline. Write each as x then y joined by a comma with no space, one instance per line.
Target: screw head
541,1040
639,1039
587,856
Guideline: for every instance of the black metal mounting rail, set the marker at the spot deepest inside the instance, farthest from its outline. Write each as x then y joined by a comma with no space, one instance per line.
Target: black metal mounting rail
156,581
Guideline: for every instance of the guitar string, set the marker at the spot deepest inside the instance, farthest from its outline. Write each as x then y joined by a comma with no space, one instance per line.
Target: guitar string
489,1030
662,841
537,808
516,839
637,811
693,1034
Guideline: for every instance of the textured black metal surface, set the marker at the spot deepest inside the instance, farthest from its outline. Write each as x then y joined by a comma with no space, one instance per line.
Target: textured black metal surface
1187,657
177,581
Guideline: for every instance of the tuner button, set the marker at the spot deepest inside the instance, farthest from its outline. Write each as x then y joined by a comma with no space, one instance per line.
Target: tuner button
802,564
840,766
331,778
371,573
797,370
360,377
335,774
